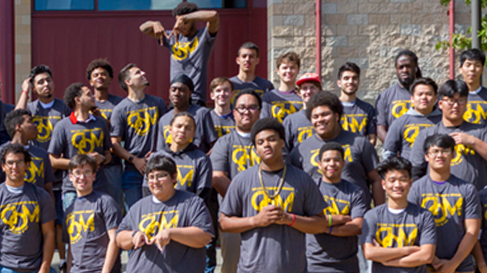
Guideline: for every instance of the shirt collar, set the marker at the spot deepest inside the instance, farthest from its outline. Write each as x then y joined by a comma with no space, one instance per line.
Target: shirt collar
74,120
476,91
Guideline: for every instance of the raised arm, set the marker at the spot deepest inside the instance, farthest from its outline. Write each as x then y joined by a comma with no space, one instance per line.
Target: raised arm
211,18
24,96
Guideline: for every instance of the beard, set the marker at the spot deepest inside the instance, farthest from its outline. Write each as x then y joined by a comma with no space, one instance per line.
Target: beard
407,82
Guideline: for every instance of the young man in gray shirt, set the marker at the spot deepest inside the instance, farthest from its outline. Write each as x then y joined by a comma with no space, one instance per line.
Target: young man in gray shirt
404,130
399,236
190,48
336,249
272,205
469,160
222,93
472,63
454,204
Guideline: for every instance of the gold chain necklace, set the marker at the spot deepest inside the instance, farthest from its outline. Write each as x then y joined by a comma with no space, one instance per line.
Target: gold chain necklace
279,188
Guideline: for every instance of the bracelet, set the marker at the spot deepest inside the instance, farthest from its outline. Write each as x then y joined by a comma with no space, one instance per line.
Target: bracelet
294,219
26,93
329,220
133,233
330,230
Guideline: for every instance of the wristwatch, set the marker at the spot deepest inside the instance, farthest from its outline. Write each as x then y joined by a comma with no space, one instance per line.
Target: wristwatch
133,233
131,158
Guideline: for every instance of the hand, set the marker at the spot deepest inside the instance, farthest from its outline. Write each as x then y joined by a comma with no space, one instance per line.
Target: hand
178,27
445,266
159,32
286,218
97,156
26,85
140,239
463,138
162,238
268,215
139,163
341,219
95,111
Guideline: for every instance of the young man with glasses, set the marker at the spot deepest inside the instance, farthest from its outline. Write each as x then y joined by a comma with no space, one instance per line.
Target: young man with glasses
91,222
454,204
470,152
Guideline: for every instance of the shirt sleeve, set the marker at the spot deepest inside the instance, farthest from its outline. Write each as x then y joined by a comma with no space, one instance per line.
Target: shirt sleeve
359,207
107,143
314,202
417,153
209,129
232,203
49,173
428,229
117,123
205,173
200,216
58,141
296,158
381,110
161,140
370,160
111,212
368,228
472,203
371,122
288,135
413,196
47,207
393,141
219,156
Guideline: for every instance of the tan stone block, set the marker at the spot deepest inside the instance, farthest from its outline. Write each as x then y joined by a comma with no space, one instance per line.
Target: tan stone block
371,30
347,52
281,9
347,7
282,31
390,8
328,51
306,31
309,20
387,30
23,29
432,30
463,18
368,8
379,19
411,8
434,7
307,7
358,40
400,40
310,41
347,30
335,19
401,19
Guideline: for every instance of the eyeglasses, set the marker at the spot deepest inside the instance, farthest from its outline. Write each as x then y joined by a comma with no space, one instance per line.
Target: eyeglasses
242,109
156,177
437,152
11,163
79,174
451,102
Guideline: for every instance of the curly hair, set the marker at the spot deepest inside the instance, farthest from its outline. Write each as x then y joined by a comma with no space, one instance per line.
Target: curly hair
99,63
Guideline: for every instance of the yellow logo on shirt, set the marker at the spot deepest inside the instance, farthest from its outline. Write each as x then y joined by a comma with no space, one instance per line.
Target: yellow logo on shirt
104,112
188,178
412,130
260,199
476,115
282,109
334,208
400,107
44,127
440,205
36,169
181,50
396,235
78,222
461,150
304,133
244,156
142,120
86,140
224,129
17,216
351,124
152,223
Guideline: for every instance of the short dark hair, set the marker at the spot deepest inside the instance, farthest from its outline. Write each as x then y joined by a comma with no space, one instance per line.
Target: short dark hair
183,114
324,99
450,87
73,91
38,70
219,81
248,91
331,146
184,8
394,163
80,160
161,163
438,140
348,66
125,74
249,45
99,63
413,56
267,124
423,81
15,148
289,57
14,118
473,54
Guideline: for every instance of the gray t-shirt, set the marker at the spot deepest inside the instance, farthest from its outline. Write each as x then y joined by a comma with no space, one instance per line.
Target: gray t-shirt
190,56
70,139
106,108
404,130
476,112
86,225
204,133
259,85
359,118
22,217
136,124
414,226
46,120
466,163
275,248
483,230
451,203
233,153
360,158
184,209
297,129
391,104
223,124
277,104
328,253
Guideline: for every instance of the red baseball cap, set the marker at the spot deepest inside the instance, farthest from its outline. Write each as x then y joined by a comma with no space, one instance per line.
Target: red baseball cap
309,77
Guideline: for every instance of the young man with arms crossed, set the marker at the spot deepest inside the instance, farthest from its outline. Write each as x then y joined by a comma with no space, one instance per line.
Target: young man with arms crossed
404,130
272,205
472,64
358,115
222,94
454,204
336,249
91,222
398,236
168,230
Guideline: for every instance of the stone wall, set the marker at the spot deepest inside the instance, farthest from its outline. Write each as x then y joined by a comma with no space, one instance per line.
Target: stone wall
23,53
367,32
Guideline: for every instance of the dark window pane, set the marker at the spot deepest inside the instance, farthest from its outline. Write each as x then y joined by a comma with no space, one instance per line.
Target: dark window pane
208,4
64,4
137,5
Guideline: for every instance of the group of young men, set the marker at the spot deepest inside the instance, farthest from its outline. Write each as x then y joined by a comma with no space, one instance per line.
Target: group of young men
287,179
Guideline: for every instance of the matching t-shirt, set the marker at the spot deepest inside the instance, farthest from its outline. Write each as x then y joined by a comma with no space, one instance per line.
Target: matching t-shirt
297,129
86,225
223,124
358,117
149,216
277,104
476,111
259,85
451,202
275,248
414,226
391,104
483,228
329,253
